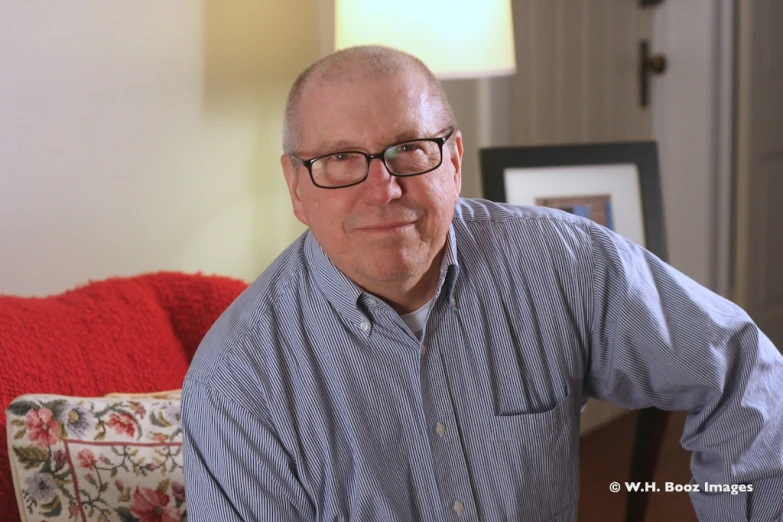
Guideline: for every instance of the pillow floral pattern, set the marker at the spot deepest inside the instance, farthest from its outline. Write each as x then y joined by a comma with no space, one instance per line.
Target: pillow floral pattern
98,460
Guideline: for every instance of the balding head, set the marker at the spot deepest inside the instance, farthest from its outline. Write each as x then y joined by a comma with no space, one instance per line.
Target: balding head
358,64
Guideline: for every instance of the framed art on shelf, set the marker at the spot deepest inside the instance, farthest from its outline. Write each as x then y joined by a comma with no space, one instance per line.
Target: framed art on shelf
614,184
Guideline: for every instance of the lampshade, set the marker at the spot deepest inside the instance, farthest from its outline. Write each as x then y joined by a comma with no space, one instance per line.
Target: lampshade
455,38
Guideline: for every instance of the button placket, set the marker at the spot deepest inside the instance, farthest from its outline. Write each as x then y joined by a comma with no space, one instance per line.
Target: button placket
447,451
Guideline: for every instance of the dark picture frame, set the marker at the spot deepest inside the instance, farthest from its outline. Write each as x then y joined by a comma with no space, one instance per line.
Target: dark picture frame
578,178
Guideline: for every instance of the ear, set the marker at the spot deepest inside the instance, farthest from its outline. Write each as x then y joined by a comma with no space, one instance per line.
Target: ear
293,180
456,161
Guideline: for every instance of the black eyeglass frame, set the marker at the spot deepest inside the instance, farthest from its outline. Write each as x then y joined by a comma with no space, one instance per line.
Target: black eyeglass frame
441,141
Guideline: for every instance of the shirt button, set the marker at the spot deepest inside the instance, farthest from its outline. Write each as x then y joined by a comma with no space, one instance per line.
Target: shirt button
453,302
458,507
365,326
372,301
440,429
423,350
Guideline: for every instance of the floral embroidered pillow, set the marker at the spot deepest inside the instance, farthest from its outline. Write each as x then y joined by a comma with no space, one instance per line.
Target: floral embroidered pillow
104,459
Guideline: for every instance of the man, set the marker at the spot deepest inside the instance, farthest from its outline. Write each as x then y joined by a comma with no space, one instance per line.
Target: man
415,356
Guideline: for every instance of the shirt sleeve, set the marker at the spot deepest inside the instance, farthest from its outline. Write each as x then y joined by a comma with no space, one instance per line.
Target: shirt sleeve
236,469
660,339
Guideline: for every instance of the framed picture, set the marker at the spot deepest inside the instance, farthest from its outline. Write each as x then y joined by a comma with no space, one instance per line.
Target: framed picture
614,184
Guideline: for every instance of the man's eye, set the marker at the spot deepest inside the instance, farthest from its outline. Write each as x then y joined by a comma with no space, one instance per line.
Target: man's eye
404,148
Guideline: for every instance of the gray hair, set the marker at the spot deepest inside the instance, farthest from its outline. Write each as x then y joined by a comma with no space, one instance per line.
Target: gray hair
364,62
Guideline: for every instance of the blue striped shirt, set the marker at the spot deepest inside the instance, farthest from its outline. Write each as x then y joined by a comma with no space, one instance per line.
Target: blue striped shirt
310,399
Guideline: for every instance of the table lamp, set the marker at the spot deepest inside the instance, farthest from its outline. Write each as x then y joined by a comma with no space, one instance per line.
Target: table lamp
456,39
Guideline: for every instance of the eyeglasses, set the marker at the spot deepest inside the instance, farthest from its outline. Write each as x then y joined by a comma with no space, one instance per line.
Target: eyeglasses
351,167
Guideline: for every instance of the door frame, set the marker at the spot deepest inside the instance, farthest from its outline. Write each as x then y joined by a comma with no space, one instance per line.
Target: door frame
704,100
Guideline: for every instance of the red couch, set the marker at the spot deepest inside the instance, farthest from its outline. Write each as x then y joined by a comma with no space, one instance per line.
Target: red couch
134,335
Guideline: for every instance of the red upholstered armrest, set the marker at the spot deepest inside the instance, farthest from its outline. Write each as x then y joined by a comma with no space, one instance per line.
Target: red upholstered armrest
193,302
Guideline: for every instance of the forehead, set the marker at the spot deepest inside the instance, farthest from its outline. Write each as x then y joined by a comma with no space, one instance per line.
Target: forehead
366,112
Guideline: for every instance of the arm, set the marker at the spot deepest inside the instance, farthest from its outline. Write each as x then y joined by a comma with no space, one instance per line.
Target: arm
660,339
235,467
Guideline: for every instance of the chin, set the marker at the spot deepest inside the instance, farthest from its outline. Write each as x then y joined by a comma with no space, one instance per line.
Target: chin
390,268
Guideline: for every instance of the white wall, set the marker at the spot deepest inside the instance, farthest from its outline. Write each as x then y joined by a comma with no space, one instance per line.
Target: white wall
138,136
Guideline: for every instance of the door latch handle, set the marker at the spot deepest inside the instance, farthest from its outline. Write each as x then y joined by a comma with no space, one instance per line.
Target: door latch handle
649,65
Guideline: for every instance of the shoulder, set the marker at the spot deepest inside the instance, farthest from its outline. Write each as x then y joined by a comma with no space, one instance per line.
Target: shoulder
490,224
476,211
251,317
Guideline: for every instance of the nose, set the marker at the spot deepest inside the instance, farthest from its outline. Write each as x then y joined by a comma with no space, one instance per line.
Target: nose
381,186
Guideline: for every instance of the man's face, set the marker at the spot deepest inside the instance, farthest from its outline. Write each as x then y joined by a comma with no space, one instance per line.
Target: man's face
385,229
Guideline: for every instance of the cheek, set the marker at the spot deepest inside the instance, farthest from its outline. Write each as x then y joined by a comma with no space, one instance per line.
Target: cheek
444,194
325,217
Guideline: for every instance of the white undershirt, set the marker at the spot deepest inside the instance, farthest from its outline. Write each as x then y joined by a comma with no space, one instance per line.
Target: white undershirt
418,318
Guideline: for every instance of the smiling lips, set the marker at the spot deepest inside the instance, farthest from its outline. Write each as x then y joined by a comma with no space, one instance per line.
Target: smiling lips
387,227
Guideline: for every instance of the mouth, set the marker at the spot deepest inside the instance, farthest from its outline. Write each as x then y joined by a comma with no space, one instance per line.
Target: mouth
388,227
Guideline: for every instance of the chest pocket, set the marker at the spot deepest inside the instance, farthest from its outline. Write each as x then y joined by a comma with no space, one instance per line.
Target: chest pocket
538,456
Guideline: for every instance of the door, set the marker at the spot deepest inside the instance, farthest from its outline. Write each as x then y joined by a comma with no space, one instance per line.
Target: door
577,77
758,267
